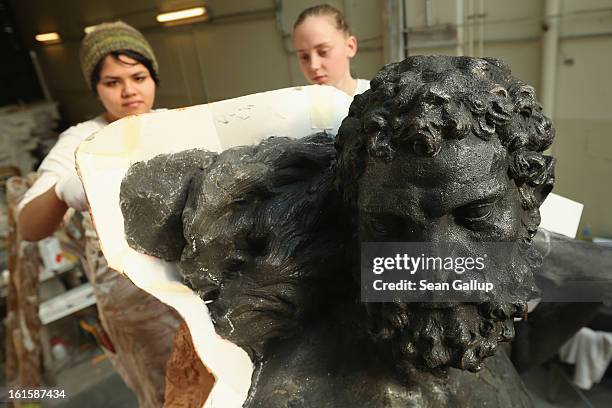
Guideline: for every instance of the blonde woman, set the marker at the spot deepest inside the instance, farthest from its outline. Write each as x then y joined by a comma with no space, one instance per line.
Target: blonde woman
325,46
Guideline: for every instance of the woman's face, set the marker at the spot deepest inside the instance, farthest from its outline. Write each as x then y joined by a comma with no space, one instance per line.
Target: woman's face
323,50
125,87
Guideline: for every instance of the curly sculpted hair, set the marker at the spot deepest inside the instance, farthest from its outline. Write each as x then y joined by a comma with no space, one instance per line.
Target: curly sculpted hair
422,101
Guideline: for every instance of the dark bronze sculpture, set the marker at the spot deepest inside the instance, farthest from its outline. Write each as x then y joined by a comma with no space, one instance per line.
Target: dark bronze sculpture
440,149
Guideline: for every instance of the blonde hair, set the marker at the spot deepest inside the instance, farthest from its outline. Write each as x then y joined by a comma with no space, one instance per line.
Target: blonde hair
325,10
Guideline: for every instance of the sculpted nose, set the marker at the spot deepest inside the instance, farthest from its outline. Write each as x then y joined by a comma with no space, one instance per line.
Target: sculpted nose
440,231
444,238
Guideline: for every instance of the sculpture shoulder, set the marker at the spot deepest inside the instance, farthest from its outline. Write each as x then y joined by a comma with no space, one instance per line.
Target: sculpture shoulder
307,382
326,369
498,384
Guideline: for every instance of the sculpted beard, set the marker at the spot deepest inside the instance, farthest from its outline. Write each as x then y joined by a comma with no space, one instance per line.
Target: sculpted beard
436,336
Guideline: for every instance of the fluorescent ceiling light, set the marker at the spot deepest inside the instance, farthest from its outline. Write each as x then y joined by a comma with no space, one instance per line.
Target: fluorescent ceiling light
89,29
48,37
181,14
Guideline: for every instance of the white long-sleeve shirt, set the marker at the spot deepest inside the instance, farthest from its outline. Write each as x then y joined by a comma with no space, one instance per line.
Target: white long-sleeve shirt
60,161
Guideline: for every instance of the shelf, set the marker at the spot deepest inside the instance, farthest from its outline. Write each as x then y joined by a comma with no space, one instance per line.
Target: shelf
43,275
67,303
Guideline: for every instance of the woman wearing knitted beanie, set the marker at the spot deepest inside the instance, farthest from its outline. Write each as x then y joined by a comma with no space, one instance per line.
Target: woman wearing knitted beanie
120,68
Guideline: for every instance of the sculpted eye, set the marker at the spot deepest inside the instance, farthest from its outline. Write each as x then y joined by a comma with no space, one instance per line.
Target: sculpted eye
208,293
475,212
234,266
382,225
374,123
371,127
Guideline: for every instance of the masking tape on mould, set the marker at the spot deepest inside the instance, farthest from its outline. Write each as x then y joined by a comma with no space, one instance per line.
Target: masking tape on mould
322,109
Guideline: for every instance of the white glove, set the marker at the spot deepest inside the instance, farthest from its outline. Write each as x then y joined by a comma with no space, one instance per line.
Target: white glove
70,190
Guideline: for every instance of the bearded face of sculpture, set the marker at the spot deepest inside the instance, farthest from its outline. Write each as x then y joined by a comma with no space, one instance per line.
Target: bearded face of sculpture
447,149
461,195
267,254
253,231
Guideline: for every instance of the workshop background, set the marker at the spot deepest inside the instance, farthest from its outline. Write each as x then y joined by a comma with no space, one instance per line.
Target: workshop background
239,47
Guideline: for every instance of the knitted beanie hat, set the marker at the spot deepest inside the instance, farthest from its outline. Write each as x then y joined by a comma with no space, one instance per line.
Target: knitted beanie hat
108,37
